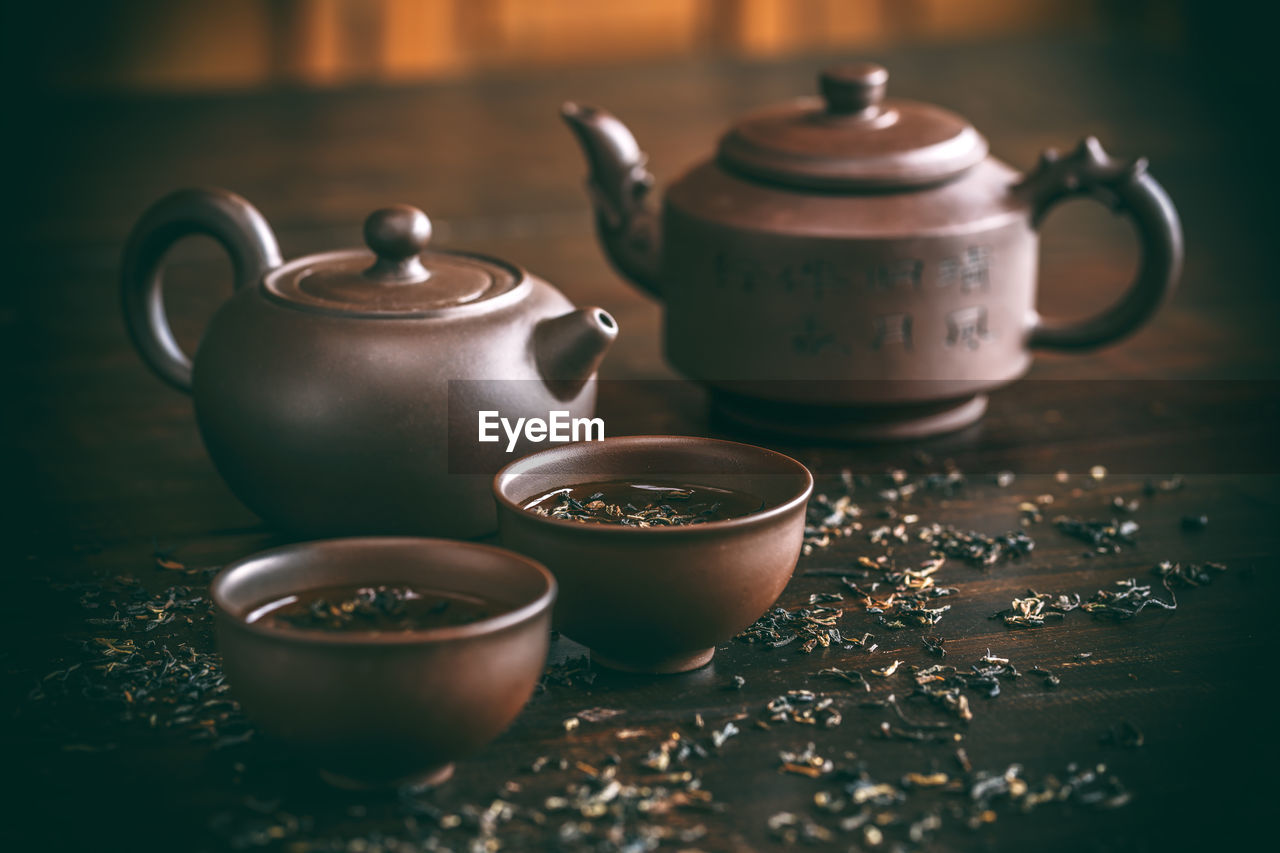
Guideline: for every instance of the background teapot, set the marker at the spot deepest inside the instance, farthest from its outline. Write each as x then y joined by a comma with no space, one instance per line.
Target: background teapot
857,267
327,388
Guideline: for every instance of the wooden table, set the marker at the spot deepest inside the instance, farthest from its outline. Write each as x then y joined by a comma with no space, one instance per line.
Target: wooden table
105,468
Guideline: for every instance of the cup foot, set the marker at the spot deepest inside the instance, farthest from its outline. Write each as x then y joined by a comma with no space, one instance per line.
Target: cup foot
429,779
661,666
869,423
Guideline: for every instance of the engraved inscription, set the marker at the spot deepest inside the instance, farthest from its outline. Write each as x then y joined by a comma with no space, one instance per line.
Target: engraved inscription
806,276
905,273
741,274
892,329
816,277
817,280
967,327
814,339
971,270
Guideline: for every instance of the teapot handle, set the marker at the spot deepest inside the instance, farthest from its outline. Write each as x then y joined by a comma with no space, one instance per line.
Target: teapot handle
224,216
1126,189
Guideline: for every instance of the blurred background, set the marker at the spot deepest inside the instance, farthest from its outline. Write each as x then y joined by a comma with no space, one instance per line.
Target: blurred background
320,111
161,45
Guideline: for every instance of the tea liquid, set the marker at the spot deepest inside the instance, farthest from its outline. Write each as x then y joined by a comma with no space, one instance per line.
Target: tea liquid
634,504
373,608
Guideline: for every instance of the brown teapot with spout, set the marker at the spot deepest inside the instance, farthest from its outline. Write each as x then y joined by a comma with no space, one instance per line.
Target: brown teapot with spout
340,392
853,266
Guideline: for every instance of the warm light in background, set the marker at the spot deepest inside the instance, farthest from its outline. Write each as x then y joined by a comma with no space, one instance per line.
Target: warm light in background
237,44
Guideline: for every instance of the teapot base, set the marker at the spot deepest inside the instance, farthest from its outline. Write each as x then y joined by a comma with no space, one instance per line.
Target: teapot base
663,666
849,423
432,778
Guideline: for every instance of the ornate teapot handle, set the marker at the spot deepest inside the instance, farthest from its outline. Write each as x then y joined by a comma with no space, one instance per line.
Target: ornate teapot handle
226,217
1127,189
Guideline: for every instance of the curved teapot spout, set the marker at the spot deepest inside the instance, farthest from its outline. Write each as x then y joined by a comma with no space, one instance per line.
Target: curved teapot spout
618,184
570,347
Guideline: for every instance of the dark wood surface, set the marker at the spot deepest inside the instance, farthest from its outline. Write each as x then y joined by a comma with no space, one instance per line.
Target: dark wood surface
104,465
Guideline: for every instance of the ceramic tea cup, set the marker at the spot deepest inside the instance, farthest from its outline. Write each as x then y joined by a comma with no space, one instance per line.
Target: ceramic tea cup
658,599
385,708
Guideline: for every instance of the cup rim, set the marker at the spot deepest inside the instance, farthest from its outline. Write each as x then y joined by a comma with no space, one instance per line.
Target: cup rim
706,528
418,636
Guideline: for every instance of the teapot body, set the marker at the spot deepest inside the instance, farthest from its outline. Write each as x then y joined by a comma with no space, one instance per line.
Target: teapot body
858,267
342,393
328,425
833,299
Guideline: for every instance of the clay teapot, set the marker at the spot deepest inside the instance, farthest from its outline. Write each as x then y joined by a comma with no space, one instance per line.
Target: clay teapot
339,392
859,267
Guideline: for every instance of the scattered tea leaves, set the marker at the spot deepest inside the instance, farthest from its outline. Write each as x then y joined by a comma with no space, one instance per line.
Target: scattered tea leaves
805,762
571,672
977,549
1187,574
811,626
1036,608
888,670
804,707
854,678
1106,537
1124,734
828,519
1127,600
150,662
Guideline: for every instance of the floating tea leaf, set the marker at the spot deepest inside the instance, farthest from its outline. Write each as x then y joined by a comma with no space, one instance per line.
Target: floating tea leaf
631,504
381,608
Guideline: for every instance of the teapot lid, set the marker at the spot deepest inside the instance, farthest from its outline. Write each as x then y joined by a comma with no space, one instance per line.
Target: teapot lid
398,278
852,138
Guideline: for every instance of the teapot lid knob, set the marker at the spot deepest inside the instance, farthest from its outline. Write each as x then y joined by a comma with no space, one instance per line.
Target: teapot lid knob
397,235
856,87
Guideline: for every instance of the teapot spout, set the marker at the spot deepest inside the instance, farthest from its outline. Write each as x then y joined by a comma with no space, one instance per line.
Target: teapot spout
569,348
618,184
